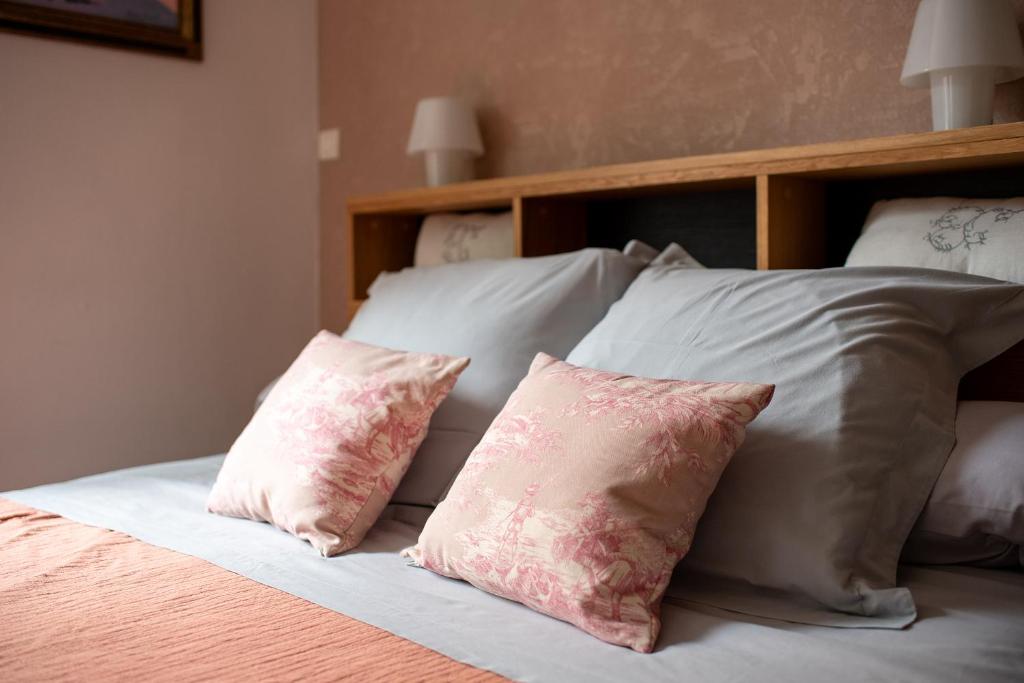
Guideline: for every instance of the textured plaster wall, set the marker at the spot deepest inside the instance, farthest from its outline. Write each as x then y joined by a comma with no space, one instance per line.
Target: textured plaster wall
569,83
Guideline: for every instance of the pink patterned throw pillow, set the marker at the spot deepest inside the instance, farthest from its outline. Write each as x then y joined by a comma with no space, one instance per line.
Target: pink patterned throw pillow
324,453
585,492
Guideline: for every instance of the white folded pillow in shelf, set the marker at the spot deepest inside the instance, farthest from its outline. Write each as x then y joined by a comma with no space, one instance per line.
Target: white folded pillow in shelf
977,236
455,237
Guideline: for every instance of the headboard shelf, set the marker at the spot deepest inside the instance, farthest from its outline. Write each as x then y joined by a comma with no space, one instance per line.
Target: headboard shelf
792,207
982,146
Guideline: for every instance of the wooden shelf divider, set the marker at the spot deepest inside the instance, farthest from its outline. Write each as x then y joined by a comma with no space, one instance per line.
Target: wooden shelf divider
790,222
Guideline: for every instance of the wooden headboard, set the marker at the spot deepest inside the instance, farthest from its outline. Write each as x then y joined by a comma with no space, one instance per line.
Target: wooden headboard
793,207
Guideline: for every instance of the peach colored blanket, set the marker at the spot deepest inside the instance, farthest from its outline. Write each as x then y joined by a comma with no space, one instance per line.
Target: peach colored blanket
82,603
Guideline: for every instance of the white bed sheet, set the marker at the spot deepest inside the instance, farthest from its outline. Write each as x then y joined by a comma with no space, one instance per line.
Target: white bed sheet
971,625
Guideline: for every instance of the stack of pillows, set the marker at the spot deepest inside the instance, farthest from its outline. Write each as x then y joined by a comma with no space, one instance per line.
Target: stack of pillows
575,487
976,511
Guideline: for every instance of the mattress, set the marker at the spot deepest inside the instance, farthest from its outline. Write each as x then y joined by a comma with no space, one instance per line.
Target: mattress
971,624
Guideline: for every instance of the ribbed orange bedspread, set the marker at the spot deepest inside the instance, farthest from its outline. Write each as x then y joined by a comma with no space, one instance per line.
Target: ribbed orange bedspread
87,604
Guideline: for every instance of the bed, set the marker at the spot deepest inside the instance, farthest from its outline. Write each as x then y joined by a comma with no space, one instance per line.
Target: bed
969,628
126,575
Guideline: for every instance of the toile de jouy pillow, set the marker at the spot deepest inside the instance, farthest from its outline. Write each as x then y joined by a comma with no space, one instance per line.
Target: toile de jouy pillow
976,236
323,454
585,492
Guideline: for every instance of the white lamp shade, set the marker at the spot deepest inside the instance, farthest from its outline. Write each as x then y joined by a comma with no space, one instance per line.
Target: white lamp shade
445,123
951,34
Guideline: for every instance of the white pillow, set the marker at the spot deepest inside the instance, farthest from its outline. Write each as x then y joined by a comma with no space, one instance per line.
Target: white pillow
672,255
976,236
455,237
976,511
640,250
675,255
832,476
499,313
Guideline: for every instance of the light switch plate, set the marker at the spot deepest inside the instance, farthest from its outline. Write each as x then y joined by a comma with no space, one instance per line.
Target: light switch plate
328,144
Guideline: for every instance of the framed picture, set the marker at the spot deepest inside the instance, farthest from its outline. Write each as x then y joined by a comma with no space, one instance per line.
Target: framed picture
170,27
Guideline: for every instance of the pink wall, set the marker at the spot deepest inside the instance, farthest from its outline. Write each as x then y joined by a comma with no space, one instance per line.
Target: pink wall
570,83
158,223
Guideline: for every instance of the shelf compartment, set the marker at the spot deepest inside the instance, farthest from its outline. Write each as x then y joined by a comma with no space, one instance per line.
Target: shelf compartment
716,222
848,201
380,242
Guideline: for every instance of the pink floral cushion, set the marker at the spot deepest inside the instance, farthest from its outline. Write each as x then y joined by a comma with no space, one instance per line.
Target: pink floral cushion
323,454
585,492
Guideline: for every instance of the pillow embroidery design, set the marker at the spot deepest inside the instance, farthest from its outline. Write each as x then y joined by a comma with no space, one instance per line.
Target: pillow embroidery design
455,241
958,227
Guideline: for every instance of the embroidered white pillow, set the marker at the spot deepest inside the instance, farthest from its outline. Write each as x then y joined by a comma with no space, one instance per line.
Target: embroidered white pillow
585,492
976,236
323,454
455,237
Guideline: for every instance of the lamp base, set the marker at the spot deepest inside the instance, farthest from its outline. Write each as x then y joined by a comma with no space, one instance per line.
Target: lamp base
962,97
446,166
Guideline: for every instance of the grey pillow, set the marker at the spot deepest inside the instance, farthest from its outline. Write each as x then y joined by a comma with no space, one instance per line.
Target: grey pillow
262,396
500,313
975,514
823,493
